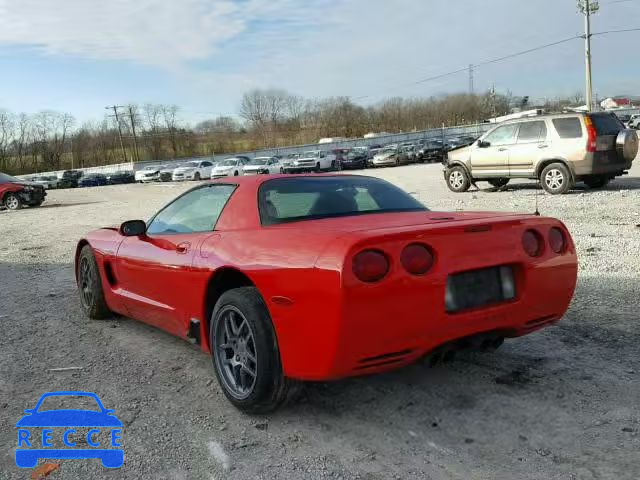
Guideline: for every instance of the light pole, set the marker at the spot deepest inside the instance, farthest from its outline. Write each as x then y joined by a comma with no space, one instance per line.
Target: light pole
588,8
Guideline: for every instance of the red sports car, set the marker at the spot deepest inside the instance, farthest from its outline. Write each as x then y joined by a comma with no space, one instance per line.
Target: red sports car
15,193
289,278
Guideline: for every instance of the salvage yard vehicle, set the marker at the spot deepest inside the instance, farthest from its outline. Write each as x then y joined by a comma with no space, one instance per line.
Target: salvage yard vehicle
16,193
397,281
70,179
150,173
121,177
166,173
430,151
195,170
231,167
557,149
93,180
313,161
47,181
391,155
263,165
358,157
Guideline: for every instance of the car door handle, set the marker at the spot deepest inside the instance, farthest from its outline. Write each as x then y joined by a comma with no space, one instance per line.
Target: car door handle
183,247
543,146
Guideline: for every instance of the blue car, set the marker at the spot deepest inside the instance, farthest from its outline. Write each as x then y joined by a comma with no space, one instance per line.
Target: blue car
93,180
32,447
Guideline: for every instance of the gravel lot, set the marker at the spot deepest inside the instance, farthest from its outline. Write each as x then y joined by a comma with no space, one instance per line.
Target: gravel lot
559,404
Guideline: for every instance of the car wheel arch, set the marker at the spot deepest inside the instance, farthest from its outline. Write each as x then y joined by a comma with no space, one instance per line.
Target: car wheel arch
221,281
545,163
458,163
81,244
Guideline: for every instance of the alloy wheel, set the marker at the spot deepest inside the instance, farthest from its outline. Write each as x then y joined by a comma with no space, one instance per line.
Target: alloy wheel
554,179
86,282
12,202
236,352
456,179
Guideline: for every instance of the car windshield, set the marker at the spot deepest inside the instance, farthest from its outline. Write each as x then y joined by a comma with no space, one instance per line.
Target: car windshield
389,150
287,200
190,164
259,161
228,163
4,178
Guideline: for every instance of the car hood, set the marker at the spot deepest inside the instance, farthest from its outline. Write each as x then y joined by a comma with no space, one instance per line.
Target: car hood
184,169
255,167
69,418
385,155
224,168
146,172
459,153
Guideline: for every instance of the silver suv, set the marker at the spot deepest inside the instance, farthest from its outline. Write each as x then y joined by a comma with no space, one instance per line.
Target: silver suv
558,149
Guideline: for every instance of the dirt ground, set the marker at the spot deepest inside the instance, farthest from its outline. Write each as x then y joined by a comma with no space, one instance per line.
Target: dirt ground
560,404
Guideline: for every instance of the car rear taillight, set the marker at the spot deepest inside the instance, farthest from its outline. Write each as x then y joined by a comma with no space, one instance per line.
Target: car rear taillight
416,259
557,240
592,135
370,266
532,243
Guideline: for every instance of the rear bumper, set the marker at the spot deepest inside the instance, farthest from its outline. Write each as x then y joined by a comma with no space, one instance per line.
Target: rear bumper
360,328
601,163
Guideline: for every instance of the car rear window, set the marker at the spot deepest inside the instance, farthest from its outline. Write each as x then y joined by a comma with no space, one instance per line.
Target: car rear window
294,199
606,124
568,127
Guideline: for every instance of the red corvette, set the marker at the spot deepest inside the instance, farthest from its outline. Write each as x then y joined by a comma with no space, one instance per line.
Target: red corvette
287,278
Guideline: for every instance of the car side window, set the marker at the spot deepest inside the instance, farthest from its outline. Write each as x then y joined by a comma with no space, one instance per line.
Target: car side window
532,132
195,211
505,135
206,164
568,127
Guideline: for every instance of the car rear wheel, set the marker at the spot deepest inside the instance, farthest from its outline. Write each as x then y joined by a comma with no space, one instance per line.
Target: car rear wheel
498,182
245,353
318,169
12,201
556,179
196,177
597,181
90,286
458,180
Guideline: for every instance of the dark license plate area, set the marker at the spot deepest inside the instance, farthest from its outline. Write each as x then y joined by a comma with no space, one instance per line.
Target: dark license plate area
478,288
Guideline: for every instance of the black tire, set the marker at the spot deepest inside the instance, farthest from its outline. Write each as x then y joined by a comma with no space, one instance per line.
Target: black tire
597,181
12,201
498,182
269,388
317,169
196,177
556,179
90,286
457,179
235,174
281,170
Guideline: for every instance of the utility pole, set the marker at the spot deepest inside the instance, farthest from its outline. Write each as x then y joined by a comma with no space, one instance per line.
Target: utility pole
588,8
470,79
133,129
115,111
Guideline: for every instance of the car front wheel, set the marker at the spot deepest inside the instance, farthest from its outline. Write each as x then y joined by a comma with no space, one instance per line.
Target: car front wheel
556,179
245,352
458,180
12,201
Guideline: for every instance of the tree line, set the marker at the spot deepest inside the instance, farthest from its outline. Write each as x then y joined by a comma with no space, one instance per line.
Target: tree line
266,118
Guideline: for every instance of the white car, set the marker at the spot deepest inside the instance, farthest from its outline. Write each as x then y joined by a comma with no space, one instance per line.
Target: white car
263,165
231,167
150,173
195,170
634,121
313,161
47,181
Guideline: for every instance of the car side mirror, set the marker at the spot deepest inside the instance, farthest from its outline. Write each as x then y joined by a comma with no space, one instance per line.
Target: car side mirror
483,144
133,228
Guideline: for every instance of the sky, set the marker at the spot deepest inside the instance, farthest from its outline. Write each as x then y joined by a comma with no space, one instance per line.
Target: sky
79,56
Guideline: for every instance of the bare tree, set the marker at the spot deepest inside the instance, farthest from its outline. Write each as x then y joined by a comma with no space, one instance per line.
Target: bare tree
169,114
7,128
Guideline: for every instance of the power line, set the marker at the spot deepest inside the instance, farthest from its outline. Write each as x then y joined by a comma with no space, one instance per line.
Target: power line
617,31
479,64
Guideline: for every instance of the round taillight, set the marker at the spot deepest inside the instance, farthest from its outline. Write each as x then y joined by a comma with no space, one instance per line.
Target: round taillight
370,266
416,259
557,240
532,243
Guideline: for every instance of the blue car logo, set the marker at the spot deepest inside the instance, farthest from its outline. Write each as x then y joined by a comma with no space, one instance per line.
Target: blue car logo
32,447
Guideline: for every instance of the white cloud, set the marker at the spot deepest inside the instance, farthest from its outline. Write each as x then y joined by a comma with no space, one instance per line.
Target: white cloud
155,32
